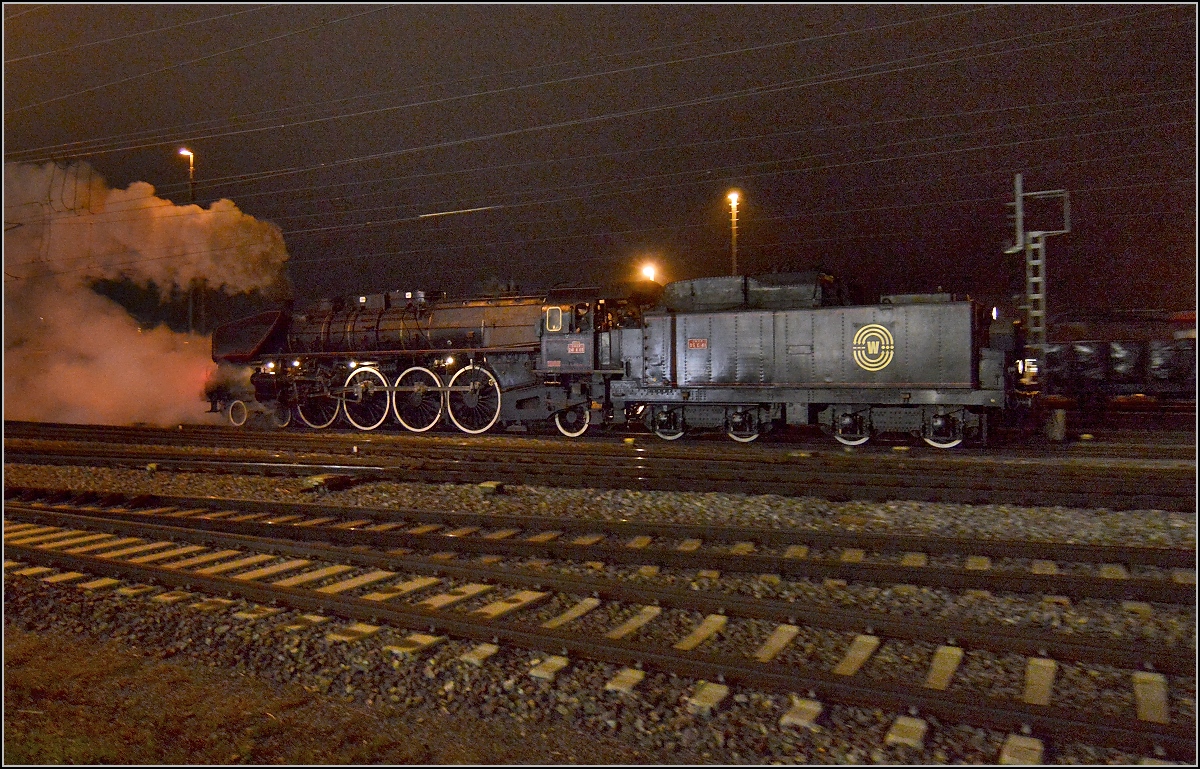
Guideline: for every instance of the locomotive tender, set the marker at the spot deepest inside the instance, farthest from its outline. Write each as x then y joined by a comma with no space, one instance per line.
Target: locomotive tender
740,354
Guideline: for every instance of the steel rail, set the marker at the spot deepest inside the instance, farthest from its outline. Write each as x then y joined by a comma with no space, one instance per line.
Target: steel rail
1143,654
1164,557
739,457
794,481
989,712
954,578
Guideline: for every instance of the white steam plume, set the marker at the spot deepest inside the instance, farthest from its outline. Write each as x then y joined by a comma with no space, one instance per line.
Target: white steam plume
72,355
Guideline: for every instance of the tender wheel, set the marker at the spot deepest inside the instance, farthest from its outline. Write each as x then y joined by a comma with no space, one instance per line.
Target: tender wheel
851,430
668,425
317,411
237,413
420,407
743,426
573,422
280,416
367,401
476,407
943,431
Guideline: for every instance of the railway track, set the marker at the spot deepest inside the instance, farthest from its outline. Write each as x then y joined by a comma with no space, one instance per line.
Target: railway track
345,562
1106,444
837,475
1164,575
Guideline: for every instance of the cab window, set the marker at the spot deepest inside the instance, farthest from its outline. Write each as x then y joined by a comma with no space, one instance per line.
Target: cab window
554,319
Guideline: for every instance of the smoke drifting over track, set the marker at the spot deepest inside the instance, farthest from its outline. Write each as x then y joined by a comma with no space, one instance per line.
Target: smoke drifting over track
72,355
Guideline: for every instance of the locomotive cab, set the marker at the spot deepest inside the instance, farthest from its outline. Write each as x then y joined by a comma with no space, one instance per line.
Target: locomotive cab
568,336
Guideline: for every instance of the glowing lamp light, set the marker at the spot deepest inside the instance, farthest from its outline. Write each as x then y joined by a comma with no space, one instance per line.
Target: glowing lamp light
733,198
449,360
648,272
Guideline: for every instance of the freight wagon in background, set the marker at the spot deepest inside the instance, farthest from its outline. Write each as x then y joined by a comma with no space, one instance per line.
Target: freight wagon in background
741,354
1121,359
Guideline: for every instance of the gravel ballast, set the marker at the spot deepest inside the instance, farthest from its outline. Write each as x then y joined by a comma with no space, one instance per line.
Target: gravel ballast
653,719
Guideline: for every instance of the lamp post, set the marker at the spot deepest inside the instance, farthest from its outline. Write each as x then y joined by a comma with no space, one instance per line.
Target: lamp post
192,194
733,199
191,172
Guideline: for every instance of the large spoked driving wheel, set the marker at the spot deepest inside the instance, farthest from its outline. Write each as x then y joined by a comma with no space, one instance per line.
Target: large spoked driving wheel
367,399
473,400
417,402
573,422
317,410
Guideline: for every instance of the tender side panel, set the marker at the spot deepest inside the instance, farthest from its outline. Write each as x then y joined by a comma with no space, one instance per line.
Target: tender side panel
919,346
725,348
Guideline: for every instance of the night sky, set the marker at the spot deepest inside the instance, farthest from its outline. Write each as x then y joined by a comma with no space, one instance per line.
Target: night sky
878,142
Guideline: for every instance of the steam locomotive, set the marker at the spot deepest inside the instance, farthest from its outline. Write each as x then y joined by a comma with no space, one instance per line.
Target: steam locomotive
739,354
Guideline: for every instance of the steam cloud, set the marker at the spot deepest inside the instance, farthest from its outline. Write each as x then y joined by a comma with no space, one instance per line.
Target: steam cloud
72,355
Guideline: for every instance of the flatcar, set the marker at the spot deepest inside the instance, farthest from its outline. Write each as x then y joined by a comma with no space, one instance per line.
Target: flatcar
740,354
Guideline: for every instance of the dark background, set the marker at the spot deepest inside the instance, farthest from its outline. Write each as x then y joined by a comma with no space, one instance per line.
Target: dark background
878,142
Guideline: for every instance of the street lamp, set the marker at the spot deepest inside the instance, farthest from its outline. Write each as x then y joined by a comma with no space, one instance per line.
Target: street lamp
192,193
733,199
191,172
648,272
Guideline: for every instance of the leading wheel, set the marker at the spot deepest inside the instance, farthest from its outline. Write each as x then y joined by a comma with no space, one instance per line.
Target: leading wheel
852,441
573,422
317,410
237,413
417,402
279,415
473,400
367,398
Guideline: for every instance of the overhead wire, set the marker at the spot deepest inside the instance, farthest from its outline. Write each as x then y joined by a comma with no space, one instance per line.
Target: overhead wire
851,74
197,60
841,77
556,81
140,33
931,64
